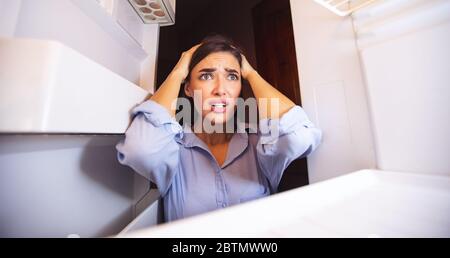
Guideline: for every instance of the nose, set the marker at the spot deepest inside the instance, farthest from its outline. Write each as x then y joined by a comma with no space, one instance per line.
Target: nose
219,89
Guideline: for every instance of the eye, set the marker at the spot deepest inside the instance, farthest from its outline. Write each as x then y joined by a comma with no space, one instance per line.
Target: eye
233,77
206,76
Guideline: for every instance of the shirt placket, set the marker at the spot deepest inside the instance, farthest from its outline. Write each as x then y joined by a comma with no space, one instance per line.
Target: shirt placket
221,194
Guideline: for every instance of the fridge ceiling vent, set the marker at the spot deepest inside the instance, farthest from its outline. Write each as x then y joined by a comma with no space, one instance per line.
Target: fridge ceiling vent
344,7
161,12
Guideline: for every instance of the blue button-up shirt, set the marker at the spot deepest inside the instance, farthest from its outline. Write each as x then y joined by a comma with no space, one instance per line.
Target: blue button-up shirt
188,176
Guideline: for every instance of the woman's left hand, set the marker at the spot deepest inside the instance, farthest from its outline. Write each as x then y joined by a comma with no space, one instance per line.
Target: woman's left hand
246,68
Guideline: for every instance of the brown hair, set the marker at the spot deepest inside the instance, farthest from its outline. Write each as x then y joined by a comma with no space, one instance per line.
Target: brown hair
214,44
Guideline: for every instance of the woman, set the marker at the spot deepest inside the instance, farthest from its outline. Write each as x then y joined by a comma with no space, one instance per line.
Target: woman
198,170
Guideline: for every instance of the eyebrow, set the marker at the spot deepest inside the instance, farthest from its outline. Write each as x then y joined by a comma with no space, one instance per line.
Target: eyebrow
231,70
210,70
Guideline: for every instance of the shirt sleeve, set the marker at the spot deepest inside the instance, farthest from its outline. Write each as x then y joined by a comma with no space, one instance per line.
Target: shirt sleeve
283,140
149,146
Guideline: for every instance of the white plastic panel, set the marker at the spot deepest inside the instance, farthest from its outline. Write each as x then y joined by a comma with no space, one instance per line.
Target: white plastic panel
405,56
149,217
344,7
367,203
63,21
387,20
120,22
46,87
61,185
333,91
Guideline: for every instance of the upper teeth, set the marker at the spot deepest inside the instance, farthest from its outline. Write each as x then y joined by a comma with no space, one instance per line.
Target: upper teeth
219,104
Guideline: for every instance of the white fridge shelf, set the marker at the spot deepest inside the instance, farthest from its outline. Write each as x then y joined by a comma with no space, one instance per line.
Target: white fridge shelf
366,203
46,87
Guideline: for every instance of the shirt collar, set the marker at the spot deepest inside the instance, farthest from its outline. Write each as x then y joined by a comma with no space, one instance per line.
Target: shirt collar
238,144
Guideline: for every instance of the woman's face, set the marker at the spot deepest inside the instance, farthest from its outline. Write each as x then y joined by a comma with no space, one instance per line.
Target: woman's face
218,79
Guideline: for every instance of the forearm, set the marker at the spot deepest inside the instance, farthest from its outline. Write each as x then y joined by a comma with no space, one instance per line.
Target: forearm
168,92
265,95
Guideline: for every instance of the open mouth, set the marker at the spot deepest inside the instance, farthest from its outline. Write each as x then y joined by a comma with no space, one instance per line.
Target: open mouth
218,106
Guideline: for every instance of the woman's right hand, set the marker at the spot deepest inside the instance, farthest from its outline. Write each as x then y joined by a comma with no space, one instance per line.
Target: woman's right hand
167,93
182,67
246,68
